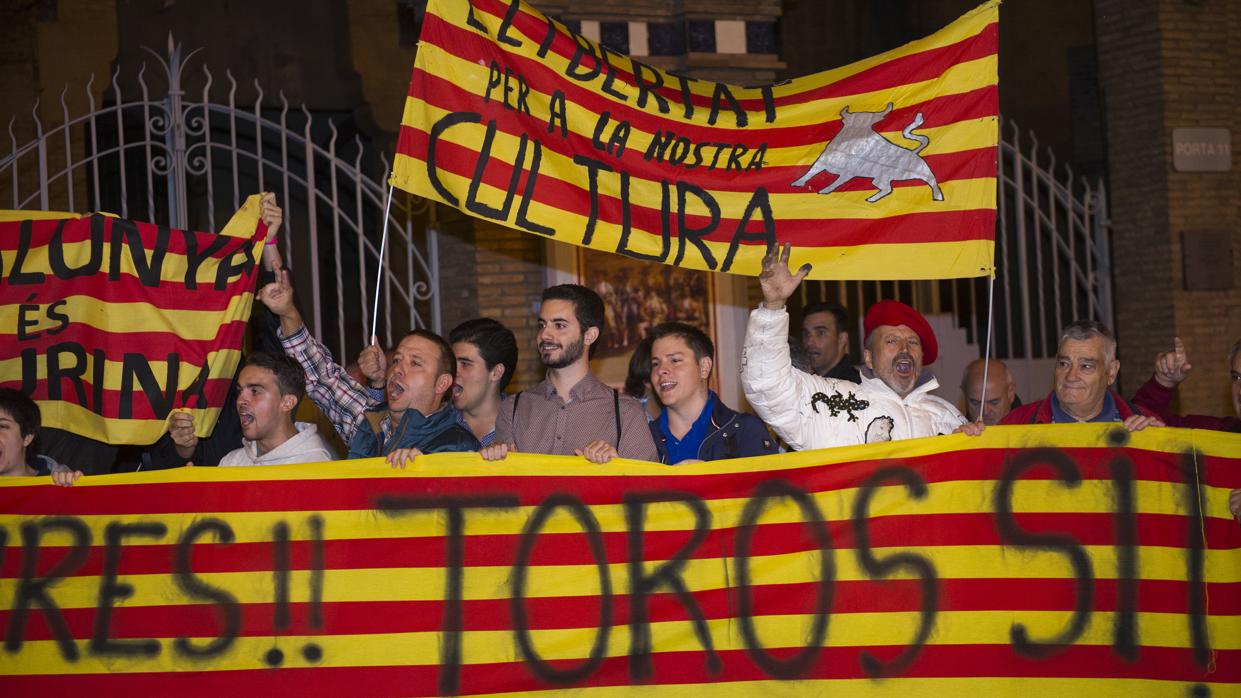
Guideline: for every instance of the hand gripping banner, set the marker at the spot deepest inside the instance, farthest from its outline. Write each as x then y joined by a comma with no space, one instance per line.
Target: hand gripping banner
111,324
883,169
1032,561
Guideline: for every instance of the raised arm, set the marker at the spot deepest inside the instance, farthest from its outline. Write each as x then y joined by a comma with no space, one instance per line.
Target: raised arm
341,398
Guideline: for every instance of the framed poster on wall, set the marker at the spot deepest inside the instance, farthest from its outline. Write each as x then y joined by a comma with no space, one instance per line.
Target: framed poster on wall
638,295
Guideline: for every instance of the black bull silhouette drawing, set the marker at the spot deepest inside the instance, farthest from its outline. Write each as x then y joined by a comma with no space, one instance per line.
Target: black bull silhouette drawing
858,151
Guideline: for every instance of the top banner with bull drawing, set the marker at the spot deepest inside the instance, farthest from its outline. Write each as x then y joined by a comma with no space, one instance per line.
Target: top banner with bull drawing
883,169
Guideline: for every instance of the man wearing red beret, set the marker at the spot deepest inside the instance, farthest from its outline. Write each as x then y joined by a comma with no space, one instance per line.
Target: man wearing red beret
894,400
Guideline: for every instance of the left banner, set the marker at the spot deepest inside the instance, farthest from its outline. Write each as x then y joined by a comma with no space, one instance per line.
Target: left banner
111,324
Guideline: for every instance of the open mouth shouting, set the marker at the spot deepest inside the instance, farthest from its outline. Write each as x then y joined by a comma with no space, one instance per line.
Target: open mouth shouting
395,391
904,366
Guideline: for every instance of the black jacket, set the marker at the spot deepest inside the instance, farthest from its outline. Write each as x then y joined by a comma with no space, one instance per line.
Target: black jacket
732,434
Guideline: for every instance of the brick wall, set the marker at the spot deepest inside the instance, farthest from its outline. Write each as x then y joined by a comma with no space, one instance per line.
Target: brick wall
1166,64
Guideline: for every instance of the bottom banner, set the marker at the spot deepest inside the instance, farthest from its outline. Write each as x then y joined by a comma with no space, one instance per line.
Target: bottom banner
1059,560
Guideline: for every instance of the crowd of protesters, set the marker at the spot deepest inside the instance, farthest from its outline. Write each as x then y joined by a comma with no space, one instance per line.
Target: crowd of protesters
430,394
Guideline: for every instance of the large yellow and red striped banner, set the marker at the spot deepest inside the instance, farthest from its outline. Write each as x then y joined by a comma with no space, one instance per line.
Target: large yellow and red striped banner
110,324
1061,560
882,169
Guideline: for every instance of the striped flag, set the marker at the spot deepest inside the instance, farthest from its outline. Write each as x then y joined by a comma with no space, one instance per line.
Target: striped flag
1031,561
110,324
883,169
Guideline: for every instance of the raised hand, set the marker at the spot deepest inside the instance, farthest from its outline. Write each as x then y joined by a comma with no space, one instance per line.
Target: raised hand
776,280
373,364
181,429
278,297
271,214
1172,367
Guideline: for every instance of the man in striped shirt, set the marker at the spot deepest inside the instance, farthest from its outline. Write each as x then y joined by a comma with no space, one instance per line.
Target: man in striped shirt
571,412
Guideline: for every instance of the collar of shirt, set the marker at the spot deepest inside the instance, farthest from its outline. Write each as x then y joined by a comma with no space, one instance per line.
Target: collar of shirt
485,439
588,387
1109,413
688,445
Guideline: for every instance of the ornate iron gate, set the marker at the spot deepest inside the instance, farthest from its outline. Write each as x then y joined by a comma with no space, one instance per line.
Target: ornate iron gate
190,160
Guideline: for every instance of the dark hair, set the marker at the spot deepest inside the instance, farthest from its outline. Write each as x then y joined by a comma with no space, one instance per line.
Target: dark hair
290,377
495,342
447,360
639,378
838,311
25,413
587,307
698,341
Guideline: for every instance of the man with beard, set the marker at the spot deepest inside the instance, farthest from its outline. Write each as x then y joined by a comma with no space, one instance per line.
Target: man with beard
486,354
892,402
571,412
416,382
269,390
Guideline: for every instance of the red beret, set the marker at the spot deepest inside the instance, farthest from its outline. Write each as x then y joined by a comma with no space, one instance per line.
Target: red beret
897,313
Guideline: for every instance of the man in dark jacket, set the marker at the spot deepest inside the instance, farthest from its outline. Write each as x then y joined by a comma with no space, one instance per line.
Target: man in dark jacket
695,425
402,413
1086,368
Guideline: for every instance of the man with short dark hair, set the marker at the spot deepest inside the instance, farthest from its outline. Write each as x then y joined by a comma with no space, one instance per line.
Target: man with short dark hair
270,386
412,420
1086,368
571,412
825,340
694,424
894,399
486,354
1001,391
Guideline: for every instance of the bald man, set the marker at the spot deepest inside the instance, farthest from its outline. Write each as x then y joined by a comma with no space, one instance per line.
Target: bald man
1001,391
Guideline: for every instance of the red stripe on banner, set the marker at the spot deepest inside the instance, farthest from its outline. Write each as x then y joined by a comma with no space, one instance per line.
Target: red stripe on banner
450,97
549,613
947,226
896,532
360,493
902,70
79,230
1161,664
169,295
116,345
937,111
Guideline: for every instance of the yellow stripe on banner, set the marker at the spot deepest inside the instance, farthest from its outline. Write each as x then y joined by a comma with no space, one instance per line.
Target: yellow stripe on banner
119,319
963,28
497,646
81,420
699,574
991,687
1174,442
113,372
474,78
15,215
245,220
916,260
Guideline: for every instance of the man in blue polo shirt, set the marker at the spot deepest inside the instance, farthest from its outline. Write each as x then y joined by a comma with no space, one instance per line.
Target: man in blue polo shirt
694,424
